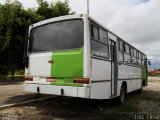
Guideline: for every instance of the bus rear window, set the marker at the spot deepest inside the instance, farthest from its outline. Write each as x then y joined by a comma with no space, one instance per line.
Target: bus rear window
57,36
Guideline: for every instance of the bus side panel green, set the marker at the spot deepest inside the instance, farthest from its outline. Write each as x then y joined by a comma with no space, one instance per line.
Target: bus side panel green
67,64
143,75
143,71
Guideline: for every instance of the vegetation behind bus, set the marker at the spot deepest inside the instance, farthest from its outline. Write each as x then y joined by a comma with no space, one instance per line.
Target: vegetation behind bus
14,21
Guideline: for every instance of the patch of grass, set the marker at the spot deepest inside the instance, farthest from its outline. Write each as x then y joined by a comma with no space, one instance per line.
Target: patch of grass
16,76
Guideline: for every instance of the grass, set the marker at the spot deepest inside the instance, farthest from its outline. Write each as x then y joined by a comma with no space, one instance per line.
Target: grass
16,76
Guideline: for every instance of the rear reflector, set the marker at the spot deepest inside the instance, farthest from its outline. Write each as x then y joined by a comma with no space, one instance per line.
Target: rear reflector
81,80
50,61
28,78
51,79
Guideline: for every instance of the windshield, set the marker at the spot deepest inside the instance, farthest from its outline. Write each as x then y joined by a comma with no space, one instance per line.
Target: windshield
57,36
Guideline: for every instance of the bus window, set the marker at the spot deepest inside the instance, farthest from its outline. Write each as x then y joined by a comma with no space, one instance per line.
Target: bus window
94,32
142,60
134,61
99,49
120,45
132,52
127,49
127,57
139,62
135,53
120,42
103,36
138,58
142,63
133,56
57,36
120,56
99,44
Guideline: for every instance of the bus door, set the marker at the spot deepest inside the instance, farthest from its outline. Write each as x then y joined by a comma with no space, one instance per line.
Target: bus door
114,68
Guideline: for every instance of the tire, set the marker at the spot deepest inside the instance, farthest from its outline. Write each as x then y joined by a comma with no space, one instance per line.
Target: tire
122,96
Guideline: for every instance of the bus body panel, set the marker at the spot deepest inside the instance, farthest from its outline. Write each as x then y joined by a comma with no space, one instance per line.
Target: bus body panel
130,74
72,91
100,90
68,63
100,73
38,64
122,73
87,49
100,79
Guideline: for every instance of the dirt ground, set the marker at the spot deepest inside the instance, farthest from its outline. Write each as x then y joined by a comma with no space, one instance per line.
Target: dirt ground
11,89
145,106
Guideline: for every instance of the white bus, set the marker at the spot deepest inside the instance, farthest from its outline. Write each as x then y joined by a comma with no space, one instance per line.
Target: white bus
76,56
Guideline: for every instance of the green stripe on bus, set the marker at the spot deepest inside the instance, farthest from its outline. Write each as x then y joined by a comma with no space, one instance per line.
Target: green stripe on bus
67,65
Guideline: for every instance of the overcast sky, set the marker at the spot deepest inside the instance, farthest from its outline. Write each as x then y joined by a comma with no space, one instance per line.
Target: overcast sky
136,21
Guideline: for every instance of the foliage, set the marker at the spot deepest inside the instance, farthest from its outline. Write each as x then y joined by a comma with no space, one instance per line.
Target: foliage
14,21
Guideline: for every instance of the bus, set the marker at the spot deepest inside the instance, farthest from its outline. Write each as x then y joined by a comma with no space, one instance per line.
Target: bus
76,56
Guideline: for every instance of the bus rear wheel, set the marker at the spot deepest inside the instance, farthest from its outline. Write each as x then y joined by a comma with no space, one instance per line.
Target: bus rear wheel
122,96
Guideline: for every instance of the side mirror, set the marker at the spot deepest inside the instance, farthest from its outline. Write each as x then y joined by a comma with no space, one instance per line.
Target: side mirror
149,62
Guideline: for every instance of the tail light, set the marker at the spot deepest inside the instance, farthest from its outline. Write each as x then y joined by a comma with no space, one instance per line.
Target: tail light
28,78
81,80
51,79
50,61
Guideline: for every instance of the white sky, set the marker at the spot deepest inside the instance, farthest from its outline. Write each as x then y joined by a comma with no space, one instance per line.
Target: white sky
136,21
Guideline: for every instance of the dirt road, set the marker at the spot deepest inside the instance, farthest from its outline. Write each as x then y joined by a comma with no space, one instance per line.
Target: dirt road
145,106
11,89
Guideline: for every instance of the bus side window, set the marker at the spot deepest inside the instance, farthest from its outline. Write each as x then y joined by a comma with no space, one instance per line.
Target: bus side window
94,32
103,36
138,58
127,57
143,61
132,52
120,42
135,57
99,42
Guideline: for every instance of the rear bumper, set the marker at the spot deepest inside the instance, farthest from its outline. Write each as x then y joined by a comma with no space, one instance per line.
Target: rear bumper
82,92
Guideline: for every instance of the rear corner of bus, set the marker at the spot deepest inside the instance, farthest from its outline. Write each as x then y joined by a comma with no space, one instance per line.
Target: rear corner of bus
59,58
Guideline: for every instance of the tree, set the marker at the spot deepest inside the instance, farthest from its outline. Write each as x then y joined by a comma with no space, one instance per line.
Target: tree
44,9
61,8
14,21
47,10
12,27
